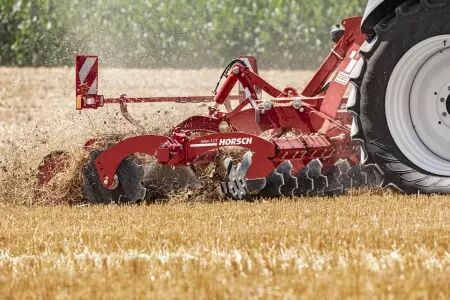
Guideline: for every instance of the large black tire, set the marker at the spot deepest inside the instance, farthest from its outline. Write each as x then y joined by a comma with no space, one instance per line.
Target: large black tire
396,34
130,189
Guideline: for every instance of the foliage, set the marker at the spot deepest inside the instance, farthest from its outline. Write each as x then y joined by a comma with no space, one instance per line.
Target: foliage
175,33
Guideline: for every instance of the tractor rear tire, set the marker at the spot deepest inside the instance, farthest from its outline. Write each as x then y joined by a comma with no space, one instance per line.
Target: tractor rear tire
401,100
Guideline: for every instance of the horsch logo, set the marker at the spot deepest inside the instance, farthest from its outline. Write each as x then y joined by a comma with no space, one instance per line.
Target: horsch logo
236,141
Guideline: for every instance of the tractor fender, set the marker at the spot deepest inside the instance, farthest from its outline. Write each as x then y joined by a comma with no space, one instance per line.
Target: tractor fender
375,11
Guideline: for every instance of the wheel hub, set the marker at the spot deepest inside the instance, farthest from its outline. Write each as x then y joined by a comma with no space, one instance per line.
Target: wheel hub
443,106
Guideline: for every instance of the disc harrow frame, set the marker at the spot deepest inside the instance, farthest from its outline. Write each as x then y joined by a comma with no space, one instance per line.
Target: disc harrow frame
318,157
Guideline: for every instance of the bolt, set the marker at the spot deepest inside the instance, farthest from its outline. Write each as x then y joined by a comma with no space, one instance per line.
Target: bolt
442,100
297,104
268,105
444,114
235,70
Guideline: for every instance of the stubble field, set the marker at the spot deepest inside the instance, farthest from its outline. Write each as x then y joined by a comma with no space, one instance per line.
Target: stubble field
373,244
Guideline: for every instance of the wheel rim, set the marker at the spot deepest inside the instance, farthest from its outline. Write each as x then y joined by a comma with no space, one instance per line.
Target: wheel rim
418,105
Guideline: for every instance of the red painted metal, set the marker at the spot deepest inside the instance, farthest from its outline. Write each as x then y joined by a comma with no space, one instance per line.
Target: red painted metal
108,162
252,64
184,99
338,86
319,128
352,35
251,80
86,76
262,149
226,87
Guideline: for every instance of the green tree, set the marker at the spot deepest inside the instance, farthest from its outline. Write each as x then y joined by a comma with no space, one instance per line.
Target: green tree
175,33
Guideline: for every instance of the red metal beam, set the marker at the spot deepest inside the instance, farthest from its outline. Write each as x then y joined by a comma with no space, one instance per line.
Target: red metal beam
352,35
176,99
